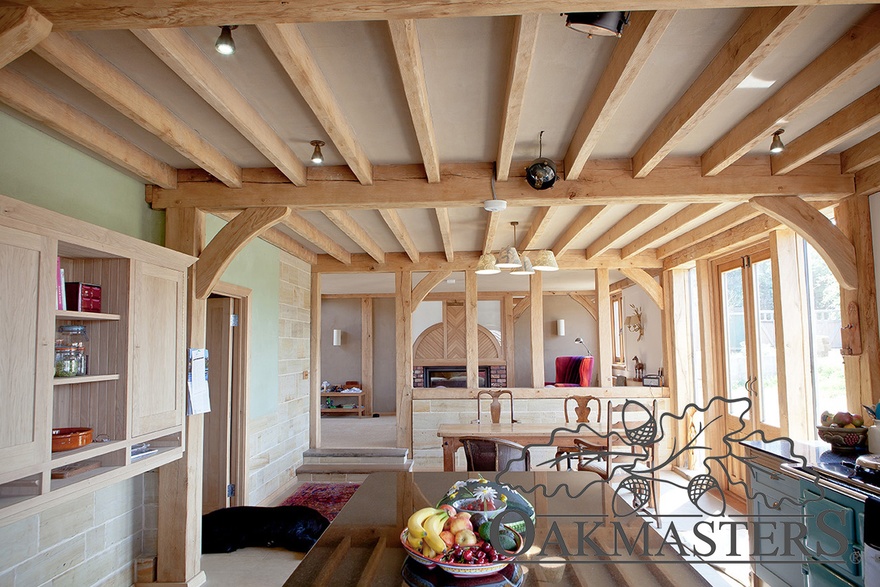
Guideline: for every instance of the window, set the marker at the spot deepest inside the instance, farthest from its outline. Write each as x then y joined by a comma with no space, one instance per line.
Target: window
617,329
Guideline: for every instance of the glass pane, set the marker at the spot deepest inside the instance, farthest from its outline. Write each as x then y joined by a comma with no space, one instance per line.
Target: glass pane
696,343
829,386
734,334
768,384
616,330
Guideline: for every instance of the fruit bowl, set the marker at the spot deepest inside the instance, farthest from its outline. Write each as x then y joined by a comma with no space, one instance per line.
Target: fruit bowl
461,569
473,506
70,438
844,439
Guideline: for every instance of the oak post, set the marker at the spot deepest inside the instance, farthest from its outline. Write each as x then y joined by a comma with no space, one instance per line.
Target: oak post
404,360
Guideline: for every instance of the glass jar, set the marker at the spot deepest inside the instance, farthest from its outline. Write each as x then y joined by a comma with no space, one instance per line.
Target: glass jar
71,349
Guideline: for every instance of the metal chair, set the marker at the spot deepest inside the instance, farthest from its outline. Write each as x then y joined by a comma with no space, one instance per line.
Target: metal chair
582,411
495,406
494,454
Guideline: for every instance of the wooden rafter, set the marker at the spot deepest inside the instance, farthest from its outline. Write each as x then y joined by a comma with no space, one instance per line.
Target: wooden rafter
492,219
868,180
540,218
183,56
849,55
629,56
521,306
401,233
427,284
760,33
735,237
356,232
21,94
21,28
815,228
588,304
311,233
852,120
577,226
525,35
717,225
90,70
647,283
227,243
445,232
679,222
861,155
626,226
290,48
412,72
279,239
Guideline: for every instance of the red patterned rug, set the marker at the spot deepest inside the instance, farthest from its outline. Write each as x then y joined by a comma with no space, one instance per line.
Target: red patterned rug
327,498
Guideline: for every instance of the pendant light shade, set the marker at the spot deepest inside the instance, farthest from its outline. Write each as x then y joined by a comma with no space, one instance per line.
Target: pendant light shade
225,45
545,261
508,258
605,24
541,174
776,144
525,269
317,155
486,265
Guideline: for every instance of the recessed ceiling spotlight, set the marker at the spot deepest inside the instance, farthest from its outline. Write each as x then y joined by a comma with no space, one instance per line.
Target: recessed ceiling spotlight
317,156
225,45
776,144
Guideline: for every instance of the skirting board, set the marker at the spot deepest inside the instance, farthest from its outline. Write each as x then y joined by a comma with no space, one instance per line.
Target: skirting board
281,494
196,581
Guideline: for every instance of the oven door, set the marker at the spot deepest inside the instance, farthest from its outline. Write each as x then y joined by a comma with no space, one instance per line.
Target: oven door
871,564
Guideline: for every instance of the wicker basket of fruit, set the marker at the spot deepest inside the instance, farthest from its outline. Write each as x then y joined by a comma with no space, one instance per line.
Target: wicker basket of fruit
845,432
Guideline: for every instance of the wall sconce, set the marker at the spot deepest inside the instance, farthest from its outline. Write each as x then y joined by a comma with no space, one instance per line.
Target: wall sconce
633,322
337,337
560,327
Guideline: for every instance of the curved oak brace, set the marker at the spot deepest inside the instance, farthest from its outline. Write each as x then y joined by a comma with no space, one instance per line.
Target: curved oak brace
426,285
837,251
21,29
644,279
231,239
588,304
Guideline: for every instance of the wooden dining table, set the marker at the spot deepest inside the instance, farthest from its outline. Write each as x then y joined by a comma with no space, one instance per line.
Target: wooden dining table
519,432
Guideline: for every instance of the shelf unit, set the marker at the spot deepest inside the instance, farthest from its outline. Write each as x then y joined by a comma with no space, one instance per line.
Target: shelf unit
360,410
135,388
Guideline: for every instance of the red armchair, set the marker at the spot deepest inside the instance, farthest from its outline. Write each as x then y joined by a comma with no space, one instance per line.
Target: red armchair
573,372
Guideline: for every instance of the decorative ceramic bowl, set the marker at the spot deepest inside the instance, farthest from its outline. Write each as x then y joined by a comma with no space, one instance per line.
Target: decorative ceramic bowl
844,439
460,570
70,438
472,505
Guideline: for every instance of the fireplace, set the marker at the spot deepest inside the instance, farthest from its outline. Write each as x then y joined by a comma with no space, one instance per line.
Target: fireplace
453,377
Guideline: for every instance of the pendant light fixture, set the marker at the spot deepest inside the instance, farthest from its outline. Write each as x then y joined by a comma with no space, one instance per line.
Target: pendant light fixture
225,45
508,258
604,24
545,261
541,174
486,265
776,144
526,268
317,156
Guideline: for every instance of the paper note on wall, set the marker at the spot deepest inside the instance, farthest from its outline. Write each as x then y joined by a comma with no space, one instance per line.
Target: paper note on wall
198,400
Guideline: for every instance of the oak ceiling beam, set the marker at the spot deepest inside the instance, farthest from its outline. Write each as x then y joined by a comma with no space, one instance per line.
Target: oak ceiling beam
608,182
401,233
427,285
760,33
525,36
861,155
646,282
717,225
409,62
311,233
290,48
278,239
356,232
868,180
130,14
576,227
818,230
630,54
625,227
183,56
445,232
79,62
736,237
492,219
538,224
852,120
21,94
227,243
21,28
679,222
849,55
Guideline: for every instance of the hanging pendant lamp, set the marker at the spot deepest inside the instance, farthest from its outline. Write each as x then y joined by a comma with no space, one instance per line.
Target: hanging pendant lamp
508,258
486,265
541,174
545,261
526,268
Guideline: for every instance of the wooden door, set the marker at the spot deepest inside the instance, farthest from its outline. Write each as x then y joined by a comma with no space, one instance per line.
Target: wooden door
27,280
219,342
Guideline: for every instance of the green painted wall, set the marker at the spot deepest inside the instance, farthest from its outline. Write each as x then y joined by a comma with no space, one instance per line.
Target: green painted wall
258,267
43,171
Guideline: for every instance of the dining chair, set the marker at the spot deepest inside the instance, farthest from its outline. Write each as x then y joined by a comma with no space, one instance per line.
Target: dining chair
495,406
582,412
494,454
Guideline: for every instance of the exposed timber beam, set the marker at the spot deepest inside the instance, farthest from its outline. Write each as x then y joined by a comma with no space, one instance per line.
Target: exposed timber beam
290,48
609,182
861,155
521,306
537,226
401,233
736,237
849,55
626,226
588,304
78,61
409,61
525,36
183,56
760,33
227,243
278,239
815,228
679,222
858,116
445,232
28,98
868,180
491,228
21,28
311,233
647,283
576,227
356,232
707,230
426,285
630,54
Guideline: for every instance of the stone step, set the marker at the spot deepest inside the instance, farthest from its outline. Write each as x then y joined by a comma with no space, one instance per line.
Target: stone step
348,472
355,456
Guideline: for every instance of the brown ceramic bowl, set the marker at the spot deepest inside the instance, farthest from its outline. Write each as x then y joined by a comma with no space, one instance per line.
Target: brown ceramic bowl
70,438
844,439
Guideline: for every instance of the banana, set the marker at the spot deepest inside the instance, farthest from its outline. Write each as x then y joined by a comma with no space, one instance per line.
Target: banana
415,543
433,526
417,520
427,552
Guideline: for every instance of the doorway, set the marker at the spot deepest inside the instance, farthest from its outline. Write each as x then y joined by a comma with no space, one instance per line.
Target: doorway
224,474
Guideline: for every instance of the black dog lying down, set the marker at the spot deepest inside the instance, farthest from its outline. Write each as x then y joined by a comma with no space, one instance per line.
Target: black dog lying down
293,527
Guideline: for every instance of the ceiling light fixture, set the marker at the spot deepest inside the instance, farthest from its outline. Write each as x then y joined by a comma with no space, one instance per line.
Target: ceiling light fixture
604,24
541,174
486,265
776,144
225,45
545,261
494,205
508,258
317,156
526,268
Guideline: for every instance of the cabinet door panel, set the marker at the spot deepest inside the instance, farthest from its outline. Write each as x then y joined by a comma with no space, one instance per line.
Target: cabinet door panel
27,280
158,366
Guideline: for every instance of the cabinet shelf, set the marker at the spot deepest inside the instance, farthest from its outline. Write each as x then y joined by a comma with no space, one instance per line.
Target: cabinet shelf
91,450
58,381
340,394
85,316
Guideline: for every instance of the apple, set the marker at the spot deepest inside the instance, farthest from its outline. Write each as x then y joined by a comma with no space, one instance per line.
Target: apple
459,524
466,538
827,418
842,418
449,509
858,421
466,515
447,537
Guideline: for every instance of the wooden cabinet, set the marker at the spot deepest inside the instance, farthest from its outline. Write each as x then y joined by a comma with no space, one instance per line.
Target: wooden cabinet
338,399
134,389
